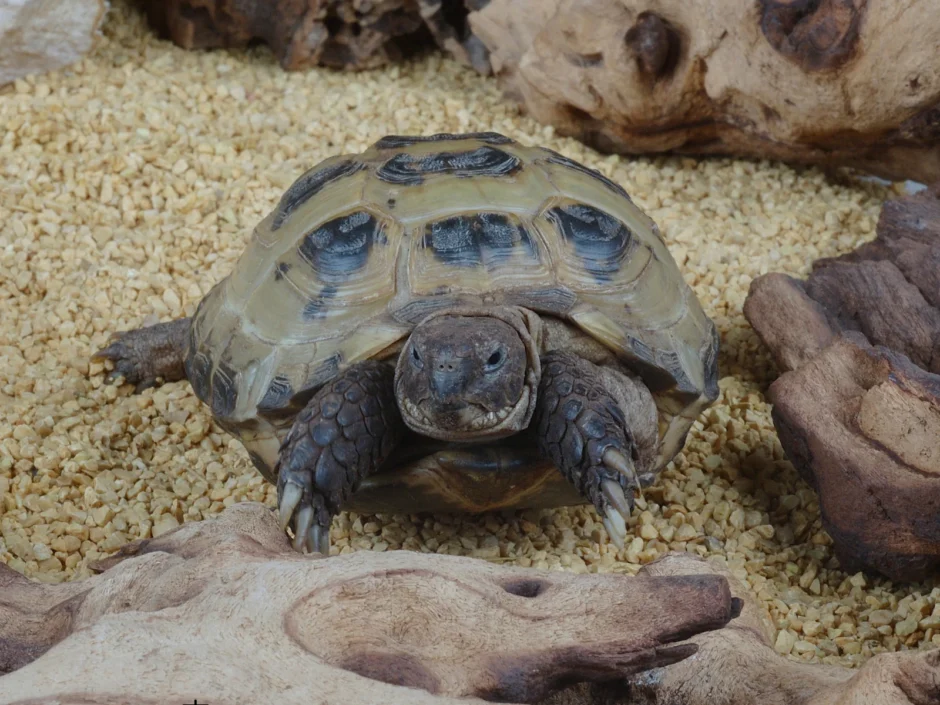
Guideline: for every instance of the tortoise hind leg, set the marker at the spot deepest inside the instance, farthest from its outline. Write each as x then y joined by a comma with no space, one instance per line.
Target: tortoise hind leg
344,433
145,356
600,428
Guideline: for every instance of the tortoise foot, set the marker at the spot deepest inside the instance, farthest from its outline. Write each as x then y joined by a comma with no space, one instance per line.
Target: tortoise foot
587,422
146,356
346,431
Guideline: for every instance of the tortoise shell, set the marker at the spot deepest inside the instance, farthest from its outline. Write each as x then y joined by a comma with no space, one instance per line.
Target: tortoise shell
362,247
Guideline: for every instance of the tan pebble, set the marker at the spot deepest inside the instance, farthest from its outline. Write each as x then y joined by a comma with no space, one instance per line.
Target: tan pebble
804,647
785,642
165,523
906,627
113,542
722,511
753,519
686,532
41,551
880,618
765,530
812,628
50,564
932,621
66,544
858,580
712,462
848,645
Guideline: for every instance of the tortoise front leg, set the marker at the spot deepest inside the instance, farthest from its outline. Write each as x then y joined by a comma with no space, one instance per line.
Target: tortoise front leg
346,431
599,427
145,356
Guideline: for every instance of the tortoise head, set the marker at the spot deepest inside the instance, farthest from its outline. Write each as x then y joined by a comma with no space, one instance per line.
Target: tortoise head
468,375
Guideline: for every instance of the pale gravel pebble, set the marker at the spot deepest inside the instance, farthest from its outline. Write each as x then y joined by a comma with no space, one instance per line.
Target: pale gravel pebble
128,184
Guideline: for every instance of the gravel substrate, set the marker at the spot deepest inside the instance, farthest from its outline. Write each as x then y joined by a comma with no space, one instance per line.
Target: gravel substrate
128,184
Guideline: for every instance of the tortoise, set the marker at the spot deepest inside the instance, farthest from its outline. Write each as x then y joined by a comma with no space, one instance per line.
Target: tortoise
453,322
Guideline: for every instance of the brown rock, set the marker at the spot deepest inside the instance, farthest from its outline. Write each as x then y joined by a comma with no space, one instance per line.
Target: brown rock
832,82
858,406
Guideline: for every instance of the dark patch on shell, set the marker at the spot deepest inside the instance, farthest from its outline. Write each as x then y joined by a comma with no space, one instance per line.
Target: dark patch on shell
324,372
400,141
710,360
600,240
224,390
318,305
409,170
277,395
487,239
341,246
281,269
198,367
562,160
309,185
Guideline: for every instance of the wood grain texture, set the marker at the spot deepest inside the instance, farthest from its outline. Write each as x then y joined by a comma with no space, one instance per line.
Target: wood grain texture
830,82
223,611
738,666
857,407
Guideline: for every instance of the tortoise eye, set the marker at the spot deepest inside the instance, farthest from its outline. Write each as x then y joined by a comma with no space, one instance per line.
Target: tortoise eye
416,358
495,361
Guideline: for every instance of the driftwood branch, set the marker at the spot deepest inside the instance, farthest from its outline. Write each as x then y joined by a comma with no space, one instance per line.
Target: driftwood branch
832,82
858,406
223,611
737,666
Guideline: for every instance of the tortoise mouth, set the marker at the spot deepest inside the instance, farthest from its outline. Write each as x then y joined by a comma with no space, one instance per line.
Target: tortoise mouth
469,422
453,418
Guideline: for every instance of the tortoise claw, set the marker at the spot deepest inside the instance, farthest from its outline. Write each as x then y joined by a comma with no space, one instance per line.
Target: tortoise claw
292,494
318,540
616,460
615,495
616,527
302,527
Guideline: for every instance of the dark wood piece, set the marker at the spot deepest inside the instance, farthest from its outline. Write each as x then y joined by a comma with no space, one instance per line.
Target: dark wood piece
257,622
857,407
336,33
828,82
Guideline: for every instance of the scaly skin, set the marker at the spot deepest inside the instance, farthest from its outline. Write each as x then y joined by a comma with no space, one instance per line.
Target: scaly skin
583,430
346,431
146,356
